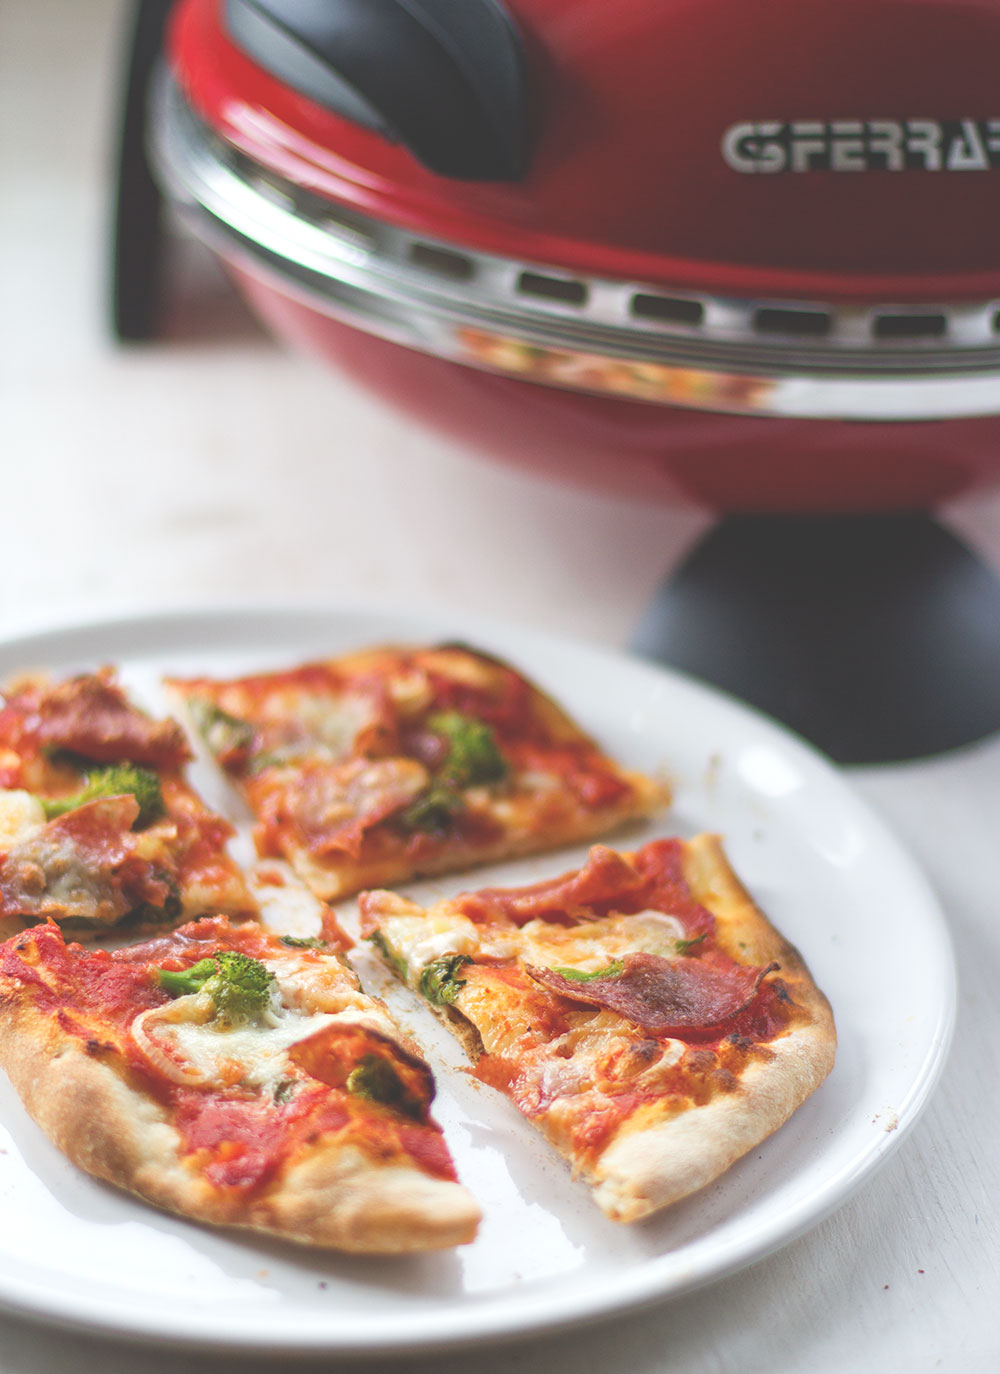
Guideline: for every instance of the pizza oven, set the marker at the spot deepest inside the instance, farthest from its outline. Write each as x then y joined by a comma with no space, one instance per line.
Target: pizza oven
740,256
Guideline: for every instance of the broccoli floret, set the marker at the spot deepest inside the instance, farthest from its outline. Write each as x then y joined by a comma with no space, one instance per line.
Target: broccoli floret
375,1078
181,982
473,753
378,1079
239,986
396,961
578,975
433,810
241,989
224,734
439,981
148,914
116,780
473,757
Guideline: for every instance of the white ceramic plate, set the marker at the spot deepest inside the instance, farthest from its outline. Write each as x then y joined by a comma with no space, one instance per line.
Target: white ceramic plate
75,1252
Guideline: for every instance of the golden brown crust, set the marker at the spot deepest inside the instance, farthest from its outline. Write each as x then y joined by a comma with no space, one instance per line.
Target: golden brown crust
331,1197
642,1171
746,934
328,1194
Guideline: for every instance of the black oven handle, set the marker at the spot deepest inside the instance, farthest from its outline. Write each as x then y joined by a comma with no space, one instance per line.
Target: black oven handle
443,77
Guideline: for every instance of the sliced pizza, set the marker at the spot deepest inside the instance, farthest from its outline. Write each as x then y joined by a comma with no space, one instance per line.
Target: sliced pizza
236,1077
641,1011
392,763
98,825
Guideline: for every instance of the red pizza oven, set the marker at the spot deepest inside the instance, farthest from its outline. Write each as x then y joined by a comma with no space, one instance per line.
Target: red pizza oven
741,254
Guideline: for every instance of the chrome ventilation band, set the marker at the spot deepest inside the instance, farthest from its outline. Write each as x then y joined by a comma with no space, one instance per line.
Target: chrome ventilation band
751,356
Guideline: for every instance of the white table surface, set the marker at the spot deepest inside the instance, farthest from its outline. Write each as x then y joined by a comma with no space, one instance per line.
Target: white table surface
214,468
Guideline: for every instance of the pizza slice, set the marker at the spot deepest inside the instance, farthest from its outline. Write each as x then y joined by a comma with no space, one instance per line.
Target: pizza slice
97,823
641,1011
236,1077
383,765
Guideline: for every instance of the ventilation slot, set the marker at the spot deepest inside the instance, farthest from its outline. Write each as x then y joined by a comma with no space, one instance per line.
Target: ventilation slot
804,324
443,262
348,230
668,309
562,289
910,326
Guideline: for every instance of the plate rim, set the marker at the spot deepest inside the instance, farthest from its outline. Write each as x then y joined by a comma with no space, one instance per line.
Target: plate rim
478,1325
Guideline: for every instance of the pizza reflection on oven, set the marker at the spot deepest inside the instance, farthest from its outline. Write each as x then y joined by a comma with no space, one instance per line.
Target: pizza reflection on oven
617,376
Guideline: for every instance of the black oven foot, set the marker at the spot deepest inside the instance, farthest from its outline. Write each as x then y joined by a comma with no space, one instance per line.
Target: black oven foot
876,637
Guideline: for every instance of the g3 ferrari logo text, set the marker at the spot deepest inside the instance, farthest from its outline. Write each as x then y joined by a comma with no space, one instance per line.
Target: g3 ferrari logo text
864,145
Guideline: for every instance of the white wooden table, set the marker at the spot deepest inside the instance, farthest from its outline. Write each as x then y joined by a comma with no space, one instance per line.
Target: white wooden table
213,468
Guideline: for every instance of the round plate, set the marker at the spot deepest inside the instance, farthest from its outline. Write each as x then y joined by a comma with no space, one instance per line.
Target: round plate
76,1252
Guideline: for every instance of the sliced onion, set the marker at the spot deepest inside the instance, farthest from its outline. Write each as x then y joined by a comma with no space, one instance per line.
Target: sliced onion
182,1072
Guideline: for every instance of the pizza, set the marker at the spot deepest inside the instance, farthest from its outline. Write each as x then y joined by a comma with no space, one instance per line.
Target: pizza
236,1077
641,1011
98,825
380,766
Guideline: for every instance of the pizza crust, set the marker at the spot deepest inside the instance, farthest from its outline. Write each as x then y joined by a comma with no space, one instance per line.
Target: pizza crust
746,934
331,1198
643,1171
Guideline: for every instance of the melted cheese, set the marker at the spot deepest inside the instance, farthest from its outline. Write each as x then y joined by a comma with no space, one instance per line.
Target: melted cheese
154,843
410,691
70,882
334,723
593,946
193,1050
588,947
49,874
20,815
420,940
328,987
256,1056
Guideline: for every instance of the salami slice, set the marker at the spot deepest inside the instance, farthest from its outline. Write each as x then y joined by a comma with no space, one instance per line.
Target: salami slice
606,877
73,866
91,717
663,996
